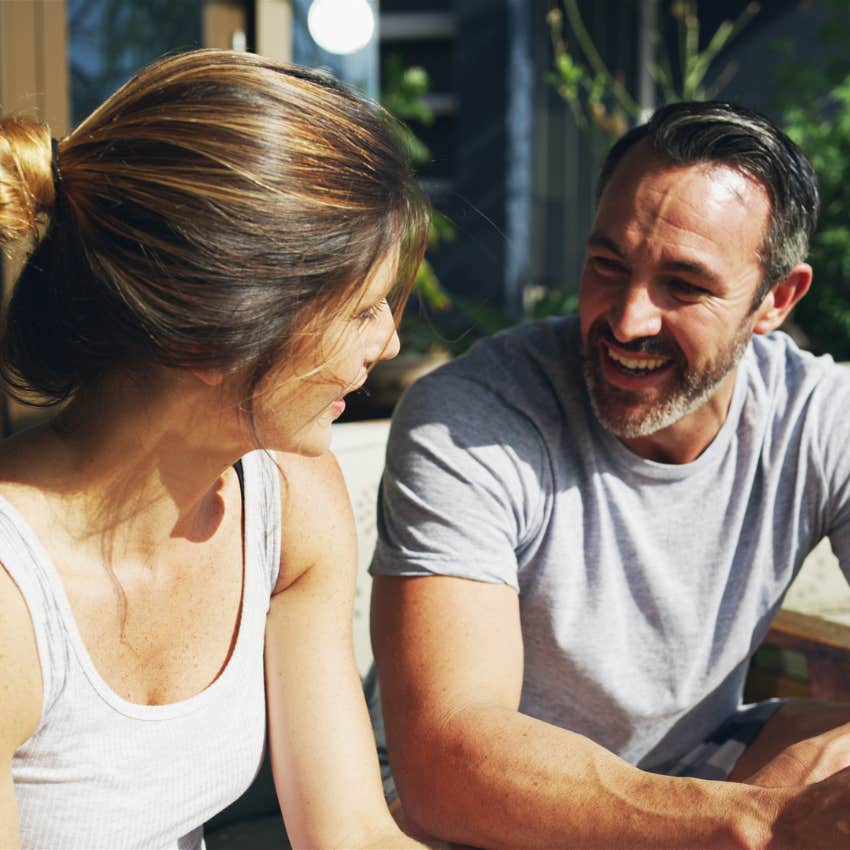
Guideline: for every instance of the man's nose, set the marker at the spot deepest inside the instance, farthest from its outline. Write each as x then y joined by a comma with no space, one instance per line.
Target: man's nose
635,314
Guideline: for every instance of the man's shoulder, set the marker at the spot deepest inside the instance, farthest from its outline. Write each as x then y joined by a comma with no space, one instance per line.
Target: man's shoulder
520,379
526,356
781,364
795,388
529,366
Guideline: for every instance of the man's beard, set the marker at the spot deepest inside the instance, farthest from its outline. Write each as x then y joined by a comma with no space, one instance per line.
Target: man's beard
623,414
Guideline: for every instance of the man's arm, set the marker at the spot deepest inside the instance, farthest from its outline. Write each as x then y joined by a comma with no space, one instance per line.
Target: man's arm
470,768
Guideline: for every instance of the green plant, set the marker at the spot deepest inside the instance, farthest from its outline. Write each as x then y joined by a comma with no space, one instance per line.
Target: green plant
553,301
597,97
814,98
434,320
403,94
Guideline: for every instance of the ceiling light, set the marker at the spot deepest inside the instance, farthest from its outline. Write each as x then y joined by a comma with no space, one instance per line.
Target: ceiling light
341,26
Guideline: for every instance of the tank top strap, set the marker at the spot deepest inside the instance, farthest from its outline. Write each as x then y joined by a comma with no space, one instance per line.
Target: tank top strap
262,512
27,562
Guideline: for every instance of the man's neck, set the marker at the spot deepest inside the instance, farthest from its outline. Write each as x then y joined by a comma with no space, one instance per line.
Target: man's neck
684,441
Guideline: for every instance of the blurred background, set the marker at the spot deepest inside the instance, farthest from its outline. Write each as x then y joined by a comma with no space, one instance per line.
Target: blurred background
510,106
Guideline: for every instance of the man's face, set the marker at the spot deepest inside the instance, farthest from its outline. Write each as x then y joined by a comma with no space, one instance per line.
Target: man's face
671,271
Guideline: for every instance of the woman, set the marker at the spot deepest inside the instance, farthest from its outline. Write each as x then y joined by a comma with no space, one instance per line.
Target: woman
222,238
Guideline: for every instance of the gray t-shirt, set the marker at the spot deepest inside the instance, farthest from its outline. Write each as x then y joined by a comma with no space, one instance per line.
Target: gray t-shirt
644,587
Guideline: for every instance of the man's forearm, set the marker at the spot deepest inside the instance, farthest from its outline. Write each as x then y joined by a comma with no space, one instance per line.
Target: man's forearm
493,778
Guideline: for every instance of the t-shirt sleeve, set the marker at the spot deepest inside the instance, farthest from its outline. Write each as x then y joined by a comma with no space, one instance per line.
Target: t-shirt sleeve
463,488
831,415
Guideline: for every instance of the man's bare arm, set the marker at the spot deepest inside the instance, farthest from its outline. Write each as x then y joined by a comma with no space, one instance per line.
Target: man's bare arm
472,769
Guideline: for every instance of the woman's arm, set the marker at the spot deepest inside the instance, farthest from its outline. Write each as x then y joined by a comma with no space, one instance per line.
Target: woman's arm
322,750
20,696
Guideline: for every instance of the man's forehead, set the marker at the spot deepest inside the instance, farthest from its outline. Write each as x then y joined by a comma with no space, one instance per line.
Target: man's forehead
692,207
642,160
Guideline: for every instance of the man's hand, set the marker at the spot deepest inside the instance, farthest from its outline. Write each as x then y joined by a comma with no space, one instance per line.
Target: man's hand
805,742
816,818
807,761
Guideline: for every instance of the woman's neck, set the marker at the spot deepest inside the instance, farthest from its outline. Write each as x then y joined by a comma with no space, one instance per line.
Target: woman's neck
140,463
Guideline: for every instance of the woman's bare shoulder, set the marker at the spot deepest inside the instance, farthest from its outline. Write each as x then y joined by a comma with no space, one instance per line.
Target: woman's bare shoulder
20,671
21,464
318,524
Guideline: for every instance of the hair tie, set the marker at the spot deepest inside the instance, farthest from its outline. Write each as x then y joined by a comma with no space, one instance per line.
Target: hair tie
54,164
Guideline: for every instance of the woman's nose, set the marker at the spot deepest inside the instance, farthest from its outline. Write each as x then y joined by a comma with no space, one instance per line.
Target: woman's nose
384,343
392,346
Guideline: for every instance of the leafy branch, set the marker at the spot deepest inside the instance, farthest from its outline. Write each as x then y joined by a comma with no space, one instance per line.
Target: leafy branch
598,97
403,95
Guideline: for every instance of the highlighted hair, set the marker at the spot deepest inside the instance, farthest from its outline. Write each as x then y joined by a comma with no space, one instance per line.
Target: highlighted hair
210,211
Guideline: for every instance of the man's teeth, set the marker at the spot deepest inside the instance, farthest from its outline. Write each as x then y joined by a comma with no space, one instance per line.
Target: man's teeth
643,364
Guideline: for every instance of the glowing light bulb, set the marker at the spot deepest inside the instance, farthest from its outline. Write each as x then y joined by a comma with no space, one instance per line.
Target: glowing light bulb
341,26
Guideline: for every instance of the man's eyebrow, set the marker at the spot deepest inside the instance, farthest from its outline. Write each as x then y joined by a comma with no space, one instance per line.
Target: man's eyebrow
692,267
597,240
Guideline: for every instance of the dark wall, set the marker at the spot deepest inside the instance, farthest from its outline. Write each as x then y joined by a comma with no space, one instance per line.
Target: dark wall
566,158
474,262
509,168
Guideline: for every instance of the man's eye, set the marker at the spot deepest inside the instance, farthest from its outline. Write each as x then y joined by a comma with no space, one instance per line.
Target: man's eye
607,266
685,288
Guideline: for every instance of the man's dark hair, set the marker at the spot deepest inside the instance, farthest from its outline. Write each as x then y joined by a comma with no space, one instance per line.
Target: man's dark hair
712,131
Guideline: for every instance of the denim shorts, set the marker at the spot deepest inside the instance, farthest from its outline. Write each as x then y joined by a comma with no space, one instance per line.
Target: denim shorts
715,757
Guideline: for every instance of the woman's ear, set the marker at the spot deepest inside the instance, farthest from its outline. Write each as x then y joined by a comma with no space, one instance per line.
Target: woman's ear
210,377
779,302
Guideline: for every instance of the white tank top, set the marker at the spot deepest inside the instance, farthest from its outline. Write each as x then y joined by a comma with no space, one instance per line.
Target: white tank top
101,772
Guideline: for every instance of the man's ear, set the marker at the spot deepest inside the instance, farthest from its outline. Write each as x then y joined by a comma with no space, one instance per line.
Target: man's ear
210,377
779,302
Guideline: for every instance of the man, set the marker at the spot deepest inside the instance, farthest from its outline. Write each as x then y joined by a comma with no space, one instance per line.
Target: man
587,526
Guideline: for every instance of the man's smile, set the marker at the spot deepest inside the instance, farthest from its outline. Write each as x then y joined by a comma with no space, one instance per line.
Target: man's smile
628,368
638,365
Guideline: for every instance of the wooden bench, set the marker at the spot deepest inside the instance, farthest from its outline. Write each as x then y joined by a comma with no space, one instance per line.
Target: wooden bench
803,655
807,651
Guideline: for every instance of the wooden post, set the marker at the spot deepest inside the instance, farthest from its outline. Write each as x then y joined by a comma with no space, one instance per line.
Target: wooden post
225,24
274,29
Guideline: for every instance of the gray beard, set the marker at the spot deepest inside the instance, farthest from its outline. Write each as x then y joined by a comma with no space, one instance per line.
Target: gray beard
692,390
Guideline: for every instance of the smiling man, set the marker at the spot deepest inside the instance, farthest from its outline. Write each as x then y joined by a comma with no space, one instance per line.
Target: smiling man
587,526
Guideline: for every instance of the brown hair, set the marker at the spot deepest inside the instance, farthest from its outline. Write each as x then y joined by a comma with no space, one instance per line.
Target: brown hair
201,217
